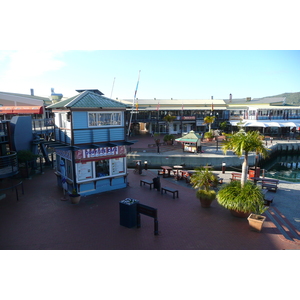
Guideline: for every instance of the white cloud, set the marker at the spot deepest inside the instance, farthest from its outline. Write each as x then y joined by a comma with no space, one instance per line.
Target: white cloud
21,70
31,63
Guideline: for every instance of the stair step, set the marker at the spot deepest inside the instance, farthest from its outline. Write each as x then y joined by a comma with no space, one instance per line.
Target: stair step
282,224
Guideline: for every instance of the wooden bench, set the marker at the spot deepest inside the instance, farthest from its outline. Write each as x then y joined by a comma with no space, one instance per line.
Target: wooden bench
167,189
269,184
236,176
143,182
268,200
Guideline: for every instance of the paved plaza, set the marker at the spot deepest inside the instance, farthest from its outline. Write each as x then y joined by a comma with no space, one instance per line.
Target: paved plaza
40,220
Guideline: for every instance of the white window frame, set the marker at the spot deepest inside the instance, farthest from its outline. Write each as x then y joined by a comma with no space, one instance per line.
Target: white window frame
110,124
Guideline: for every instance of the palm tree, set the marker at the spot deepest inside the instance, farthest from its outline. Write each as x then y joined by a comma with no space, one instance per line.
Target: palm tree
242,143
169,119
209,120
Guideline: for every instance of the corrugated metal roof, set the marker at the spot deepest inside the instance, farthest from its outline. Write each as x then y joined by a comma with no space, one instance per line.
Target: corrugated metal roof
88,99
191,137
267,100
33,97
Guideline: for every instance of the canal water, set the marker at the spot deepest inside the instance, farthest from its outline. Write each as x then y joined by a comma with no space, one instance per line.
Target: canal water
284,168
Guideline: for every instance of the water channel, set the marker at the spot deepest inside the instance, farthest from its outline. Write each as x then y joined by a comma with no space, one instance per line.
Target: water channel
284,167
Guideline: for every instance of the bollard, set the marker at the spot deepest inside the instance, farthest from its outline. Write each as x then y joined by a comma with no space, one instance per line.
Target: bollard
223,167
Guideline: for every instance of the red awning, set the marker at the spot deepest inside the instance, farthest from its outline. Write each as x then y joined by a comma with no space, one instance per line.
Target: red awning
21,110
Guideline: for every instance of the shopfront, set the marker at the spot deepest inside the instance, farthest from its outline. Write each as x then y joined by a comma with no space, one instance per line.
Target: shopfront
92,170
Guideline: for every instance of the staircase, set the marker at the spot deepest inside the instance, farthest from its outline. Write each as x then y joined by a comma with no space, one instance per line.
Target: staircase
287,229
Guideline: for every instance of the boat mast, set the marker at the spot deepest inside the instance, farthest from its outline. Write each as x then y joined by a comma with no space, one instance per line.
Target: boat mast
133,104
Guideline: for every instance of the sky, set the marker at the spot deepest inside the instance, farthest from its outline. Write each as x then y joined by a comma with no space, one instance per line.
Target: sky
191,51
92,44
162,74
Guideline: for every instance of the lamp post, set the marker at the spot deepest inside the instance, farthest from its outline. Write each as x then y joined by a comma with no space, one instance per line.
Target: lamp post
146,165
223,167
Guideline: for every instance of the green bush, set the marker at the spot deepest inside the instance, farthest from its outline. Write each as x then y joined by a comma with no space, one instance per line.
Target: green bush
247,199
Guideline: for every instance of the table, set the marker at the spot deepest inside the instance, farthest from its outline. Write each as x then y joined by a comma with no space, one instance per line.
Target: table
166,171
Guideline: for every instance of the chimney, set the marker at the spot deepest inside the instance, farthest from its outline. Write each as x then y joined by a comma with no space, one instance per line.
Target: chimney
230,97
212,97
32,92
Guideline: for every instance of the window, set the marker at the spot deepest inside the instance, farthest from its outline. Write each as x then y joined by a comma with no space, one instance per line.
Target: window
87,171
102,168
98,119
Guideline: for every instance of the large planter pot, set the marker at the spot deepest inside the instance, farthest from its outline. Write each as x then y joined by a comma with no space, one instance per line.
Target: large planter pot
75,198
24,173
239,214
205,202
256,222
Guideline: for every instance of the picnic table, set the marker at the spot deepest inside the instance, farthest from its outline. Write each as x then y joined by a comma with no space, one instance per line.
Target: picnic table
166,171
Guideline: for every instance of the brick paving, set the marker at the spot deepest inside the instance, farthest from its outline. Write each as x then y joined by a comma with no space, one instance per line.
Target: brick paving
40,220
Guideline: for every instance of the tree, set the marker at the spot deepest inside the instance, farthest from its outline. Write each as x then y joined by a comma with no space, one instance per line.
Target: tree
169,119
243,143
209,120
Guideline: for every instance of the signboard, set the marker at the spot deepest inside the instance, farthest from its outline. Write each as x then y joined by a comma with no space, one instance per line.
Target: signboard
189,118
117,166
84,170
105,152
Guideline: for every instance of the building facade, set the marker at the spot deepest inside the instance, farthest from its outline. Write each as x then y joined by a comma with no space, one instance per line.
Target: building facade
91,156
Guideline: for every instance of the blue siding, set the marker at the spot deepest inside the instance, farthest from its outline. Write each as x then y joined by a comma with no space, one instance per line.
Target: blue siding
82,136
102,186
80,120
100,135
117,134
92,136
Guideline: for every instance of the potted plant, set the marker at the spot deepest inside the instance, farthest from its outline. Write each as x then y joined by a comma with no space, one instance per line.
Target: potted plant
74,197
256,222
169,138
242,200
209,135
203,180
25,160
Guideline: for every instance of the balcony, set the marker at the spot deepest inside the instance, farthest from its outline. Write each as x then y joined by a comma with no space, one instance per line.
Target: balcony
9,164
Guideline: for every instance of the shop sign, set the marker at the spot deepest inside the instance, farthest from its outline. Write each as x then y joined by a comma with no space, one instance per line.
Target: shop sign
189,118
110,152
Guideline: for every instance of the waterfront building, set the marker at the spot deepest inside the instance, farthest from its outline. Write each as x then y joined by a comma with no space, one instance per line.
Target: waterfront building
91,156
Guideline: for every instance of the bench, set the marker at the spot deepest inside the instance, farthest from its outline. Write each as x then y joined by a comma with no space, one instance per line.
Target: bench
268,200
236,176
269,184
143,182
167,189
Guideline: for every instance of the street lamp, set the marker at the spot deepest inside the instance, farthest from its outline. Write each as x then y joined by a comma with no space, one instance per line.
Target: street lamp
223,167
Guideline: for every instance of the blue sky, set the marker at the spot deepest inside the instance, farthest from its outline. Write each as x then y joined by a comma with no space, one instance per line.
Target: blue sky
190,74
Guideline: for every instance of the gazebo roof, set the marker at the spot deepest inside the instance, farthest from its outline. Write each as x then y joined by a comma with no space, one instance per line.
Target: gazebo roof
191,137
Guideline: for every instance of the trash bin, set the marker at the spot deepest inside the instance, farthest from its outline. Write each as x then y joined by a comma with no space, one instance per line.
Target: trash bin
254,173
156,183
128,212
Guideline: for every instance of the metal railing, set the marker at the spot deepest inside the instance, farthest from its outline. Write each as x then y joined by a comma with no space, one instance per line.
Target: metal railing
9,164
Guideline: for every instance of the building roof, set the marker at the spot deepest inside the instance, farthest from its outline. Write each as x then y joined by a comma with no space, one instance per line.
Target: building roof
191,137
88,99
23,99
256,101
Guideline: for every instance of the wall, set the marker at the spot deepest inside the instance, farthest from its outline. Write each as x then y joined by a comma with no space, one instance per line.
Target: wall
191,161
